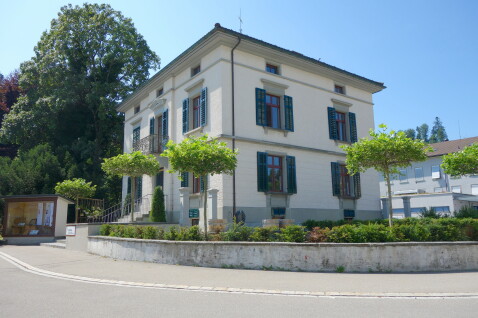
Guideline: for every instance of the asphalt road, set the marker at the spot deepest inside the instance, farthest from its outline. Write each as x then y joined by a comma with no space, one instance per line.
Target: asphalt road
30,293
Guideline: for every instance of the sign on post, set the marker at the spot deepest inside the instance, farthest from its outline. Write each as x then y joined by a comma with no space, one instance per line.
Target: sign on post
193,213
70,230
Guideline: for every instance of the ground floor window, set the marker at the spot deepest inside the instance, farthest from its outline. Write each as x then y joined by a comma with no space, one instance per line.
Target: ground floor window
30,218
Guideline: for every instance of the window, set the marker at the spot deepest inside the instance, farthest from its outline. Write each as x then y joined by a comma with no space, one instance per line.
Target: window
441,209
272,69
195,70
159,92
196,184
474,189
273,111
270,112
435,172
339,89
338,127
419,174
438,189
137,109
403,176
160,179
136,137
278,213
349,214
138,186
195,116
275,173
196,111
456,189
343,184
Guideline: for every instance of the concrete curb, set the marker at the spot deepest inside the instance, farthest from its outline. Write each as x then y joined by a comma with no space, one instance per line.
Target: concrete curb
231,290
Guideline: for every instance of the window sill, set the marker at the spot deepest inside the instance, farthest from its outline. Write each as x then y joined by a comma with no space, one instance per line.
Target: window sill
279,130
345,142
195,130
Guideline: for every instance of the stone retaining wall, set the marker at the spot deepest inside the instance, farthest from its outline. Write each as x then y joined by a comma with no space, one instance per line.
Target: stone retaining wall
363,257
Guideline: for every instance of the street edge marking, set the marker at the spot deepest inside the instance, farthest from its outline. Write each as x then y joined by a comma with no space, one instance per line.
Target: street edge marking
228,290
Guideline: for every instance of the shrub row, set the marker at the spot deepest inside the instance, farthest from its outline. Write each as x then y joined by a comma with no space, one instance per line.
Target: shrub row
404,230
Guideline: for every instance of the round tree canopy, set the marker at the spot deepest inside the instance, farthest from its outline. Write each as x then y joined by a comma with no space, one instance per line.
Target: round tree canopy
131,164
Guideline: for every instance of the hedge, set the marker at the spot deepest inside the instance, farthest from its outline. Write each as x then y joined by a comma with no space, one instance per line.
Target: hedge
403,230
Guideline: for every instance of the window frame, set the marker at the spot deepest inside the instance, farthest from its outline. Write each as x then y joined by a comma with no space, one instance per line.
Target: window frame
270,67
403,176
280,168
159,92
346,182
195,70
196,184
419,178
196,111
339,89
341,126
436,174
137,109
456,186
270,106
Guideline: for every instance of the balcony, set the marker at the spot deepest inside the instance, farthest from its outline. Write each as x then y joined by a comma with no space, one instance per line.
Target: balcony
152,144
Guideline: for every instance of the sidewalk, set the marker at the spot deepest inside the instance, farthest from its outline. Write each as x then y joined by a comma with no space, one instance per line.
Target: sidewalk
91,266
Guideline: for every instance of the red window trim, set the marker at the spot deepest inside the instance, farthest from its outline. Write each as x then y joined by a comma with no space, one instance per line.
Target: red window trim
196,112
269,107
272,67
279,167
345,182
196,184
341,126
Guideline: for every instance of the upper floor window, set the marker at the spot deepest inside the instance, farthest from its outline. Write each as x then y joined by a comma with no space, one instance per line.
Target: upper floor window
137,109
419,174
195,70
136,134
195,116
272,69
403,175
159,92
456,189
436,172
339,89
274,111
342,126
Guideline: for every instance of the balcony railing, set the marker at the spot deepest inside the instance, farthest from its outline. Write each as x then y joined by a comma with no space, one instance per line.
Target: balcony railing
152,144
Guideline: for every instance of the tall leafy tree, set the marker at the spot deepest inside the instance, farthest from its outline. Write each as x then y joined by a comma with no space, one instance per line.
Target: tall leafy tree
422,132
438,132
410,133
385,152
91,58
9,93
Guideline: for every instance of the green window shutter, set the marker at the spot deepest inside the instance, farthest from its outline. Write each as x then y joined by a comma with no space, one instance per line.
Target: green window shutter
165,125
185,115
261,110
201,183
139,187
151,126
353,127
262,172
184,179
332,123
357,188
291,175
335,178
203,106
289,113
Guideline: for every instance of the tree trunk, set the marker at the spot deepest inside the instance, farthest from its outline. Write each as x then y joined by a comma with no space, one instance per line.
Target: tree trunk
205,206
390,212
133,197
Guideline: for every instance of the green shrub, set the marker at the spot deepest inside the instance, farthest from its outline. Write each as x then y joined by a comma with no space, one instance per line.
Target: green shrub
265,234
318,234
149,233
466,212
237,232
429,213
105,229
293,233
411,232
158,212
193,233
361,233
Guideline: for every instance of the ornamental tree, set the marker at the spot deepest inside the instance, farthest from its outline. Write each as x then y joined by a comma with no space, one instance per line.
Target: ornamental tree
463,162
201,156
132,165
385,152
75,189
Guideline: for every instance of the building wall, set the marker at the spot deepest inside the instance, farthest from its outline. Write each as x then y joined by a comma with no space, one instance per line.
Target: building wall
309,142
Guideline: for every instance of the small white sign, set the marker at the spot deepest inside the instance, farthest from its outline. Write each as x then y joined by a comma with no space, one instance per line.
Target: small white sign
70,230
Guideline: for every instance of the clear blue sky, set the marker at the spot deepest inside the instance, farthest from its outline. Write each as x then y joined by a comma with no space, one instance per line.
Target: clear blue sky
426,52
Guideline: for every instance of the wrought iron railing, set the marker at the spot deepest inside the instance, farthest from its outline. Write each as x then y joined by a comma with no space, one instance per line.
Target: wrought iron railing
152,144
123,210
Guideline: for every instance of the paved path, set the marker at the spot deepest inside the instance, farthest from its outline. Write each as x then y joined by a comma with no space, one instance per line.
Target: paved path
83,267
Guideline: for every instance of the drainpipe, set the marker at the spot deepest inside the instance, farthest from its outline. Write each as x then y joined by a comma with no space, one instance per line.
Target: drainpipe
233,128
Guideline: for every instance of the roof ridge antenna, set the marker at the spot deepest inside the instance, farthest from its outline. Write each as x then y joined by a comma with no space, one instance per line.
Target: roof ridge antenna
240,21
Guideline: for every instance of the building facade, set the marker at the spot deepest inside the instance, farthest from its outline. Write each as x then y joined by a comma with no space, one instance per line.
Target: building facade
285,112
425,185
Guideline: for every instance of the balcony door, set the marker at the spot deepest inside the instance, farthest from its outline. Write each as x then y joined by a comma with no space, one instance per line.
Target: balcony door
159,141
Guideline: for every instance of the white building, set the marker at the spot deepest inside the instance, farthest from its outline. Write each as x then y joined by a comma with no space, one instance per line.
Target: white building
285,112
425,185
